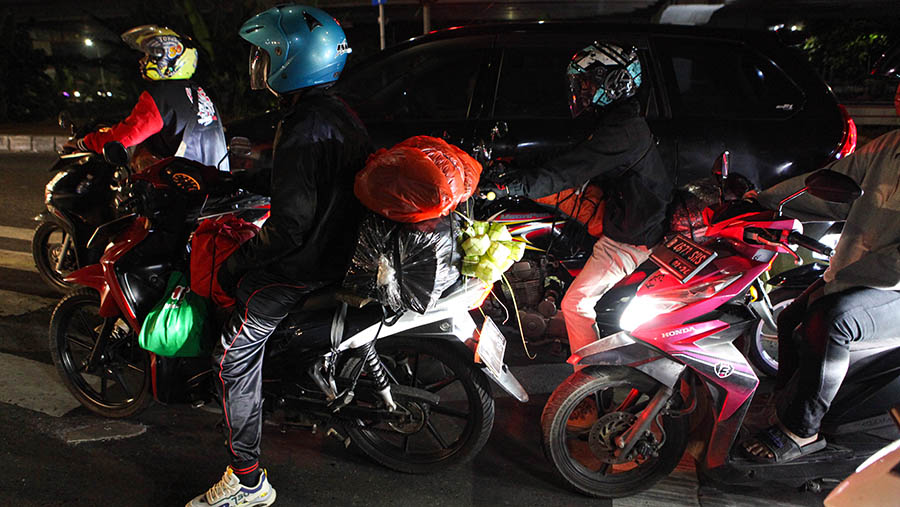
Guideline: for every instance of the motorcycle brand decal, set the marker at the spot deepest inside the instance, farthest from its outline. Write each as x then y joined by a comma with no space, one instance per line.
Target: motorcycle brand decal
723,370
654,280
676,332
206,112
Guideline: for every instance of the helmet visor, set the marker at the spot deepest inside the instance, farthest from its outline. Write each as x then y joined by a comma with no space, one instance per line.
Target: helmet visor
582,89
259,68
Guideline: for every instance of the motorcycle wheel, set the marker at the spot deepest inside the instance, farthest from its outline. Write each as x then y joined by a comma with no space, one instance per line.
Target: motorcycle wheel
436,436
46,248
583,456
762,346
120,386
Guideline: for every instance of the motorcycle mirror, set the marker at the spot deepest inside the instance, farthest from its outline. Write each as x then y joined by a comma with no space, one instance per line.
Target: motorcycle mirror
833,186
240,146
500,130
720,166
115,153
65,121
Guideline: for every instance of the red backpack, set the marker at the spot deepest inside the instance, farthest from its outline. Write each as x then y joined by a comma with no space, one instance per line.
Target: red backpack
213,242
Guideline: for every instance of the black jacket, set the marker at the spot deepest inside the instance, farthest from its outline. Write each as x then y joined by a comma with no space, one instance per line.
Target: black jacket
620,156
319,147
171,118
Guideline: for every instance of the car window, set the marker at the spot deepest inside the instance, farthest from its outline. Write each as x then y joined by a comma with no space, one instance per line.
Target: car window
533,83
728,80
431,81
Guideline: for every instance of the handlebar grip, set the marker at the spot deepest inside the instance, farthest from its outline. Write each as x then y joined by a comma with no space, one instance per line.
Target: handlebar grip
809,243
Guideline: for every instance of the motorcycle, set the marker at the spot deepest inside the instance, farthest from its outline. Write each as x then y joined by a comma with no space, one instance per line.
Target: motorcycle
673,377
84,193
403,388
80,197
761,345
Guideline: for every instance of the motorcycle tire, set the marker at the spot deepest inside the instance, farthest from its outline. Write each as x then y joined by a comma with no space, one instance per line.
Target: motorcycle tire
571,446
762,342
120,387
438,436
45,252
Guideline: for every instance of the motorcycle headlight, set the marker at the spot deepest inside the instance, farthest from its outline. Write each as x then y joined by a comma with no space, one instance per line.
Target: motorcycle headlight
643,309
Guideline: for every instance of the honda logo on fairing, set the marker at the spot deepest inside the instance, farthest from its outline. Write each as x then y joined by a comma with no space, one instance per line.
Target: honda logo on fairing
677,332
723,370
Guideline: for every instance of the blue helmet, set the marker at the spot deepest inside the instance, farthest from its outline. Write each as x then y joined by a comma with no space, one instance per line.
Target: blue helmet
294,47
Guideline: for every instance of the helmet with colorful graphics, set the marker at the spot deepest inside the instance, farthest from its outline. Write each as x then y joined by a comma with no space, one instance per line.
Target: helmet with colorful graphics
294,47
167,55
602,74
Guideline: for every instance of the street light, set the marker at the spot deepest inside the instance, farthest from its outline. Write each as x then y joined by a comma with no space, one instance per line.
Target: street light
88,42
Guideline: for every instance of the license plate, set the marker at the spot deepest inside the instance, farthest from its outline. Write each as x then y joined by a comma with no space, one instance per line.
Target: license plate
681,257
491,347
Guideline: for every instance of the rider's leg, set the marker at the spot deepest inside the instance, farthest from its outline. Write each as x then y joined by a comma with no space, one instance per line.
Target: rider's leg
832,324
610,262
263,301
788,339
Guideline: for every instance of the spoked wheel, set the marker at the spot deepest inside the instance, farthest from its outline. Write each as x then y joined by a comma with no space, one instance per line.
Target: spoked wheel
433,436
582,420
118,385
54,255
763,347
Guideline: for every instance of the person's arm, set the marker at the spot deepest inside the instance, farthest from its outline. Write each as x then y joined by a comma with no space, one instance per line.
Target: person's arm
143,122
297,162
606,152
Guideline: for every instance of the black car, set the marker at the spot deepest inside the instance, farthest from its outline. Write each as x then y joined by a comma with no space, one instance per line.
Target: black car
705,91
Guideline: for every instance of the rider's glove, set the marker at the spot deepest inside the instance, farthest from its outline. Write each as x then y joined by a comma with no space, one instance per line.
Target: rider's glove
492,191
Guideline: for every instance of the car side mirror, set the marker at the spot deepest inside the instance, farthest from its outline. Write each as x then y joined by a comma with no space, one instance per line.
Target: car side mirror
240,146
115,153
832,186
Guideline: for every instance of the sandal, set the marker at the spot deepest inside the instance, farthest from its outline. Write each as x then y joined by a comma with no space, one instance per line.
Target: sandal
782,446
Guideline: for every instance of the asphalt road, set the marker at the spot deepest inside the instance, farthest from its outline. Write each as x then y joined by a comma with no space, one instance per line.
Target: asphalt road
54,452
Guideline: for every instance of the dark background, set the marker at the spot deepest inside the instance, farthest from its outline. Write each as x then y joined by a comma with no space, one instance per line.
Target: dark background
44,59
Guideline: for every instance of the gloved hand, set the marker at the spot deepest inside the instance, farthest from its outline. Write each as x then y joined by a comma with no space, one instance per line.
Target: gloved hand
492,191
74,145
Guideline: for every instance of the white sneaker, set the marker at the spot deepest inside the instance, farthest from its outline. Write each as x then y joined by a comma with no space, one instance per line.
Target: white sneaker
229,492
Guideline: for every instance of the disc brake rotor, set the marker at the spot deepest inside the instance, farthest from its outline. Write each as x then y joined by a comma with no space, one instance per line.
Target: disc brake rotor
414,422
602,437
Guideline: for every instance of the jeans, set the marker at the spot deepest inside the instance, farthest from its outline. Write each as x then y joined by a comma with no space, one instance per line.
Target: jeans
814,358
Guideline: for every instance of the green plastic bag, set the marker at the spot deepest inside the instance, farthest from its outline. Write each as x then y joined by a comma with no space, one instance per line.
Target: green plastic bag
174,327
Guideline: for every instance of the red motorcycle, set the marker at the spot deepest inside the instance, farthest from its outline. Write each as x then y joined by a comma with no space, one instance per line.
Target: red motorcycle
403,387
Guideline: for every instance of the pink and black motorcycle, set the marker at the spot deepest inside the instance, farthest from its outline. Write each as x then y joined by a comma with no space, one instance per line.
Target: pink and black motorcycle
672,376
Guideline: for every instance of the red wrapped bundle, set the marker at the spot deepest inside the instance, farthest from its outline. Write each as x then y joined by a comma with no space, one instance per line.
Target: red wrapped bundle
419,179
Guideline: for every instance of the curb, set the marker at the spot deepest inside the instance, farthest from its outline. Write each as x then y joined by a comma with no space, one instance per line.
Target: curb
31,143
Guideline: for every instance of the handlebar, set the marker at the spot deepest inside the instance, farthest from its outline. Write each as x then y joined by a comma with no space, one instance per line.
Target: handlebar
809,243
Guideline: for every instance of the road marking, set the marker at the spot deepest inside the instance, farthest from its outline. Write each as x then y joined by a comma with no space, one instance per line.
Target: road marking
22,261
17,303
33,385
16,233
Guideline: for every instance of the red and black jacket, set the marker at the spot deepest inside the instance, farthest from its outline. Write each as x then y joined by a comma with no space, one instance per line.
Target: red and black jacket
171,118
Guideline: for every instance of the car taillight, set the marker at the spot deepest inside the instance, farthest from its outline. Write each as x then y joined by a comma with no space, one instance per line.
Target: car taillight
848,143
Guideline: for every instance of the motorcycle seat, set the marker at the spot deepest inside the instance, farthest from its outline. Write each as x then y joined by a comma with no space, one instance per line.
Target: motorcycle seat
328,297
888,343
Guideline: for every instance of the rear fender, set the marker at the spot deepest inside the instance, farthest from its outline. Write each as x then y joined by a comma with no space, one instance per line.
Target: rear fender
92,276
461,332
621,349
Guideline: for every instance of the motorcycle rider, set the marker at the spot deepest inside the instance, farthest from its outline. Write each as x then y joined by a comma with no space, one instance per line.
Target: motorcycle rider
858,298
320,144
621,156
174,116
